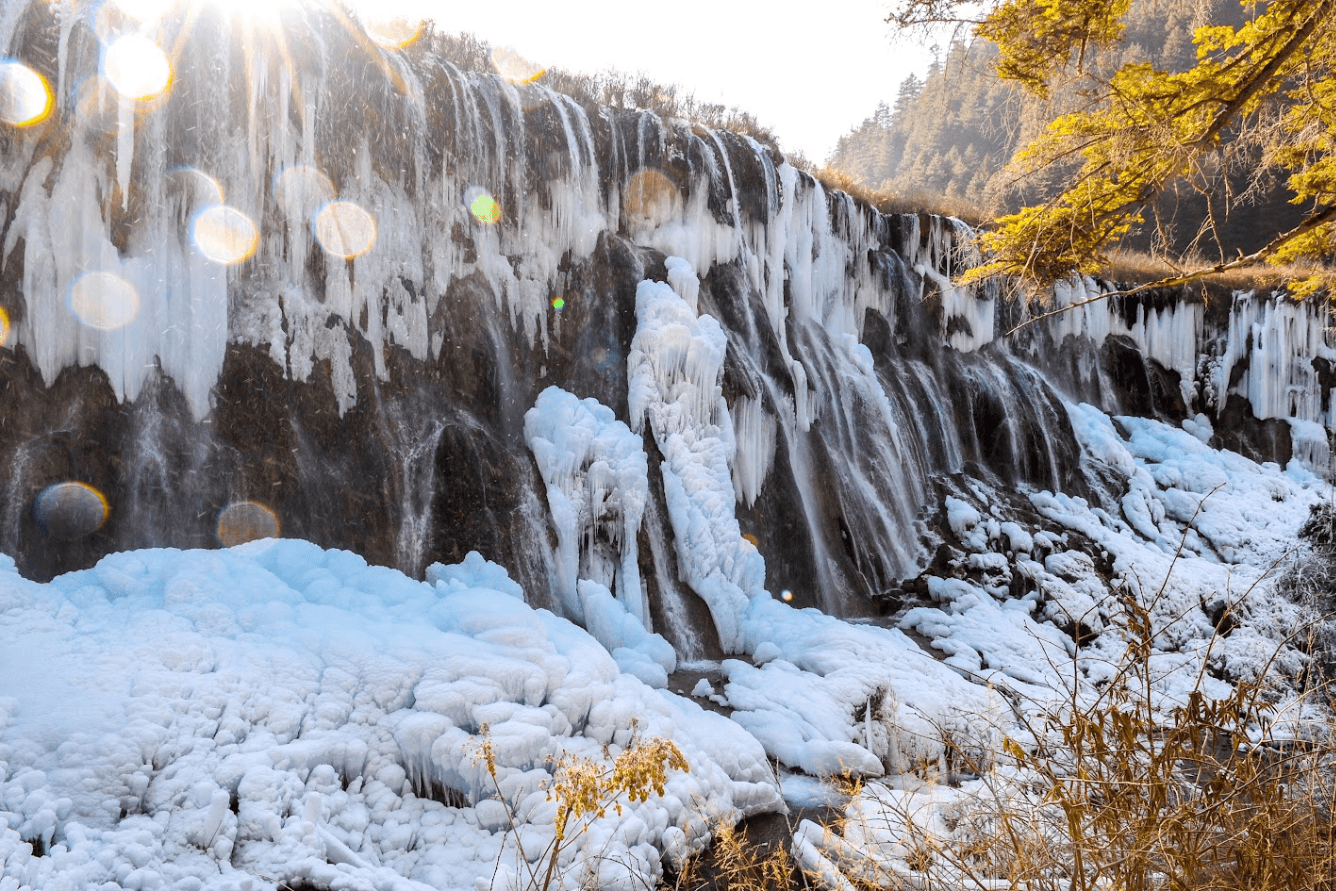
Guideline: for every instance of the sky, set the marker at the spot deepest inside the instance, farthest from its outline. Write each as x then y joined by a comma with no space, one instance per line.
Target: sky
809,78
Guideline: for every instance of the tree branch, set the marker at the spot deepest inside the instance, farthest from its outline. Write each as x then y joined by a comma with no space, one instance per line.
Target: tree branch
1259,81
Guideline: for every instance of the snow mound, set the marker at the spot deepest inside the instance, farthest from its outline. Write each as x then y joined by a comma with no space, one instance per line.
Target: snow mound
281,713
1199,538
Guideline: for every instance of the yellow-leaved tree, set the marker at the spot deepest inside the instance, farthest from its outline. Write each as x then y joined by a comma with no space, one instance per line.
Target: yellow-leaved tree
1268,83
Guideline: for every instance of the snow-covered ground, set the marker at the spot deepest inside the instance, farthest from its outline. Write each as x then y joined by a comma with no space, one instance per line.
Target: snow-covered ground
202,719
276,712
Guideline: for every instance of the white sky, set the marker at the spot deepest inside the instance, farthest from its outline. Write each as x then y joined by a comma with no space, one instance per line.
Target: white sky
809,77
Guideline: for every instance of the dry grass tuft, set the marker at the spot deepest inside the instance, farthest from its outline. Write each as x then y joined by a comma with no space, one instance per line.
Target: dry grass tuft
895,203
1121,789
736,862
1135,267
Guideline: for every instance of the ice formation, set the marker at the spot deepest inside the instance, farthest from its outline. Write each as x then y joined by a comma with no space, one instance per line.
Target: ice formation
284,713
594,468
1268,351
170,301
674,367
595,472
1276,341
455,267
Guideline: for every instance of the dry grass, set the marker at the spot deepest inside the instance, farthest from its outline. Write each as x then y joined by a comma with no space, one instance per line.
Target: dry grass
583,790
1135,267
1119,791
894,203
734,862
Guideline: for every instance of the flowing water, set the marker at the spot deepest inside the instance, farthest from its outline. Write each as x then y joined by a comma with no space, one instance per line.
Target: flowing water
329,278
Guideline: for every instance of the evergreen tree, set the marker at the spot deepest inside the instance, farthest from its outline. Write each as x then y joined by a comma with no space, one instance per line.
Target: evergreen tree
1137,115
1234,206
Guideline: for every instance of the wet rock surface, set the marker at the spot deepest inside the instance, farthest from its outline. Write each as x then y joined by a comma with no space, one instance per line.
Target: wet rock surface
375,401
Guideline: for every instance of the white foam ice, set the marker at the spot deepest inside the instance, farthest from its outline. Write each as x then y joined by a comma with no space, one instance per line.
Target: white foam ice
674,370
285,712
595,471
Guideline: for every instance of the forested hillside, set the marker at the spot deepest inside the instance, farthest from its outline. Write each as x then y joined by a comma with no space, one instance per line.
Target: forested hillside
950,134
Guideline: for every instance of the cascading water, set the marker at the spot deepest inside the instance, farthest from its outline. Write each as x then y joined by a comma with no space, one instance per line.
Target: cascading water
414,443
15,499
329,278
163,449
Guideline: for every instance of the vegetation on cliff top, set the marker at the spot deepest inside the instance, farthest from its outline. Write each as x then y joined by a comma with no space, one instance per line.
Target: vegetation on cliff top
1259,91
1180,127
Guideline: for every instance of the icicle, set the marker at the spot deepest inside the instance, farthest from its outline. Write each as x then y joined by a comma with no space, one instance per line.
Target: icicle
125,146
801,396
754,431
867,725
674,371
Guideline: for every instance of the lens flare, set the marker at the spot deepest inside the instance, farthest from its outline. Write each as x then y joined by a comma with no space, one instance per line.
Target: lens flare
196,189
786,595
96,105
345,230
751,539
25,96
136,67
301,191
482,205
224,234
606,357
68,511
391,31
514,67
558,303
650,199
244,521
104,301
4,327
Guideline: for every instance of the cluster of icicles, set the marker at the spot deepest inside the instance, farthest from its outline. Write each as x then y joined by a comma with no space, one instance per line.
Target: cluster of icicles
85,298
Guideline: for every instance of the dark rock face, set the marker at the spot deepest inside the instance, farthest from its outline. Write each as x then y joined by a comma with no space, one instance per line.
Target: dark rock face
1239,431
377,402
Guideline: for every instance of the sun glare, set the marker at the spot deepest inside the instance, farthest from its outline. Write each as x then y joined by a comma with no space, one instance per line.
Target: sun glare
267,13
104,301
391,30
25,97
345,230
514,67
137,67
225,235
